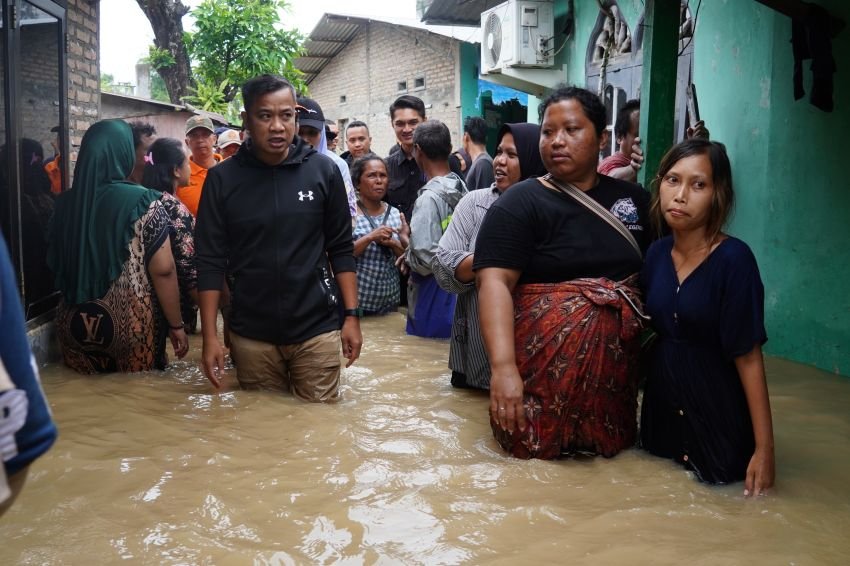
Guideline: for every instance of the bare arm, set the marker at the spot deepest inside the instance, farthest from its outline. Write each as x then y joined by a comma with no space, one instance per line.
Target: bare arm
496,315
351,337
15,484
463,272
761,470
163,276
630,171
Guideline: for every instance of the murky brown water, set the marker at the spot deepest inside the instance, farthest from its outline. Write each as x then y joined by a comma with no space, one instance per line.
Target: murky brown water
158,469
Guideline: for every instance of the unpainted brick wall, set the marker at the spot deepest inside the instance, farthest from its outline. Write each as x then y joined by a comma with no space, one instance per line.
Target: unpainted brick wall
367,73
83,69
38,107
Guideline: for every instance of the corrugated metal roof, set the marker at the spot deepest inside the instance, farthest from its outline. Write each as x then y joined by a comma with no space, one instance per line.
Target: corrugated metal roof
335,31
330,36
214,116
455,12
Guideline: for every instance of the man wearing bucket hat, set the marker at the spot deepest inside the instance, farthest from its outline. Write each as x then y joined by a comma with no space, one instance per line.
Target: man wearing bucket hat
229,143
200,138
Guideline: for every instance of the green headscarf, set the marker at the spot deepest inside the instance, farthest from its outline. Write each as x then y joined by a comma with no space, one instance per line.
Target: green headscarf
94,221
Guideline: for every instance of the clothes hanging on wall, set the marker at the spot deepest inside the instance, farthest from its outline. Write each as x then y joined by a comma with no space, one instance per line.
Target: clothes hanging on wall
810,39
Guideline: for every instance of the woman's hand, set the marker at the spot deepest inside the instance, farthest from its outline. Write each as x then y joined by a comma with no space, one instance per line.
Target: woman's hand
506,406
179,341
760,473
381,235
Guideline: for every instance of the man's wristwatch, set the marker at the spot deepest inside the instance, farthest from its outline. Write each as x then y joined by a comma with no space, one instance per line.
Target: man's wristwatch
358,312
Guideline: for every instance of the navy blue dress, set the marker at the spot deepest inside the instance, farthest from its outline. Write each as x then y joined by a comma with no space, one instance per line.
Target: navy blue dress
694,407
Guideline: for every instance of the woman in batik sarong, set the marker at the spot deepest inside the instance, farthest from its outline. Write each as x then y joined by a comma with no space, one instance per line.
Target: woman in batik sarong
557,290
110,250
706,404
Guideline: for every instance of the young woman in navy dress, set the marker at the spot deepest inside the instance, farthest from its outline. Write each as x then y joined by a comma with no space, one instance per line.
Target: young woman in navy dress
706,403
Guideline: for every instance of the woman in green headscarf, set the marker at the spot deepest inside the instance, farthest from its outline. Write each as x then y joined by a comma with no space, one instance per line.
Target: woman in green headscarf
111,254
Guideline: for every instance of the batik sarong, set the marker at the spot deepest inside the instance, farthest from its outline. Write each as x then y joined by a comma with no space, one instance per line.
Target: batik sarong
577,345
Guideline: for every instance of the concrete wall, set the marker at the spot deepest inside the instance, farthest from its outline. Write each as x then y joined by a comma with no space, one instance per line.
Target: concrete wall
789,170
788,163
368,71
168,123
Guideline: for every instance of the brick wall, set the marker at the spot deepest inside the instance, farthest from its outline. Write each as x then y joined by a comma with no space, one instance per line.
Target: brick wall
83,68
368,71
38,107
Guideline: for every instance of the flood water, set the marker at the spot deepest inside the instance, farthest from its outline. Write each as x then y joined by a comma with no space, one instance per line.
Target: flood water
159,469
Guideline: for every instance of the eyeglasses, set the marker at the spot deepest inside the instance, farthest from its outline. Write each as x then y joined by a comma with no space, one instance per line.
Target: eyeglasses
410,123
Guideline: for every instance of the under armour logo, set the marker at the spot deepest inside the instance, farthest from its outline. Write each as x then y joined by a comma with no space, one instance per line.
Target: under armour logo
92,325
302,195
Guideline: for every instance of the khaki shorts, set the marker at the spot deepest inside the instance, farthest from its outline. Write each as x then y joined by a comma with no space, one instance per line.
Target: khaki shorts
310,370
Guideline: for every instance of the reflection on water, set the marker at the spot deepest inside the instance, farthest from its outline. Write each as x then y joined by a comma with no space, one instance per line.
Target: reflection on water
157,468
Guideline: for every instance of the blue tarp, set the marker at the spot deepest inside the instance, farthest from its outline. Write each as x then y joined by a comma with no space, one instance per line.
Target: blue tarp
501,93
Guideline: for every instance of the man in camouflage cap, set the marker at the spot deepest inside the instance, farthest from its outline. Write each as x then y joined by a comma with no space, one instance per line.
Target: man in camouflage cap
201,139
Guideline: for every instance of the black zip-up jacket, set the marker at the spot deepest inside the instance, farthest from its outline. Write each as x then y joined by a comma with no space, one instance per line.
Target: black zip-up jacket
281,231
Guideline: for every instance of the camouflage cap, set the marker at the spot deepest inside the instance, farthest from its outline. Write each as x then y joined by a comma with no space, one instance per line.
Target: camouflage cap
229,137
199,122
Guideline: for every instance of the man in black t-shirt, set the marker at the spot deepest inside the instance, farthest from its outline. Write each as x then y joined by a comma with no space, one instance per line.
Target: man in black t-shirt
406,113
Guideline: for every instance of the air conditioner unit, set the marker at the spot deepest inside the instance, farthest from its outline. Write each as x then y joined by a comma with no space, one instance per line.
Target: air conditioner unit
517,34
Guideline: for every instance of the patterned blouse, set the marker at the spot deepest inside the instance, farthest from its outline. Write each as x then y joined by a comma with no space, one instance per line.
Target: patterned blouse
377,275
182,241
125,330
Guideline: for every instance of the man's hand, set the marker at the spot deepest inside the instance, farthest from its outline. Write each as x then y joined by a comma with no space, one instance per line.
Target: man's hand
637,156
698,130
404,231
351,338
401,264
212,360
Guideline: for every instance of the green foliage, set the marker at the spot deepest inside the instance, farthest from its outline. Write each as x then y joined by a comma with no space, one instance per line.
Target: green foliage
208,96
158,89
106,82
159,58
235,41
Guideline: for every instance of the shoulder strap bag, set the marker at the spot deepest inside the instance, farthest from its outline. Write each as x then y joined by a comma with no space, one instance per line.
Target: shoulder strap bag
577,194
571,190
371,220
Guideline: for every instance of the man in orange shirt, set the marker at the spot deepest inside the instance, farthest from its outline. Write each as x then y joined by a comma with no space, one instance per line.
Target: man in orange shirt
201,138
53,168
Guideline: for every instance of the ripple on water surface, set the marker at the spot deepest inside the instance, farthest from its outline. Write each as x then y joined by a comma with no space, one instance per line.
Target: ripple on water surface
158,468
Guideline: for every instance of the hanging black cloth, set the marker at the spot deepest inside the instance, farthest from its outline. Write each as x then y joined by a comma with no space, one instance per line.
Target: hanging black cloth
810,39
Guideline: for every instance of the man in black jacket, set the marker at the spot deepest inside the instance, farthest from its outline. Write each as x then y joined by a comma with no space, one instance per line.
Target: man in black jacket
275,215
